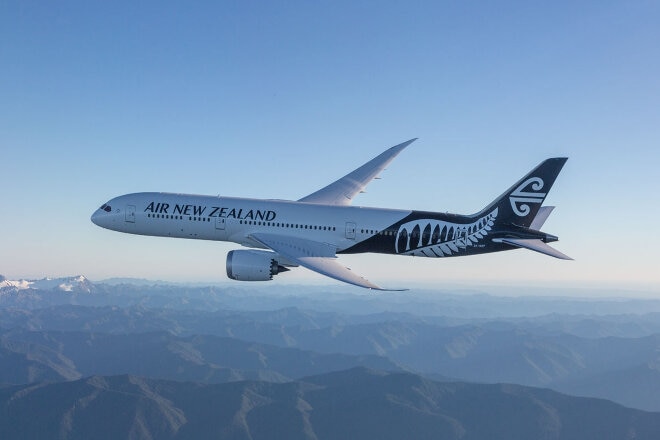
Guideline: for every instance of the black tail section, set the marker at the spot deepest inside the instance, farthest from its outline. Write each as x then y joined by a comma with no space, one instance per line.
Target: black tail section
520,203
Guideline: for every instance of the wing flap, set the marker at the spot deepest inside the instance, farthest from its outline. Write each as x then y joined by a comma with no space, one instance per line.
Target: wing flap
331,268
344,190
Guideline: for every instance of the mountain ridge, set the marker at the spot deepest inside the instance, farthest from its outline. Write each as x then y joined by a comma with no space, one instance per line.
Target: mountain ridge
344,404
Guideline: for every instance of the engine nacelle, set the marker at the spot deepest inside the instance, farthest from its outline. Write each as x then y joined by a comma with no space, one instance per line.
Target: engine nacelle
253,265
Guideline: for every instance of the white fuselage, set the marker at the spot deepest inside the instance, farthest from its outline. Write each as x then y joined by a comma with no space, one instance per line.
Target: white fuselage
235,219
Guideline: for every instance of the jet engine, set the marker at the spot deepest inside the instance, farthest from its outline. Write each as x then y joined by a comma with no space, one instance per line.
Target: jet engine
252,265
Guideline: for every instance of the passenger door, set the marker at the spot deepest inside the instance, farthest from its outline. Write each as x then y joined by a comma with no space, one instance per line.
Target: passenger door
130,214
350,230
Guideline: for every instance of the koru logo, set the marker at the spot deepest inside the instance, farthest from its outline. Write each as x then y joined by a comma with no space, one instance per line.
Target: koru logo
522,196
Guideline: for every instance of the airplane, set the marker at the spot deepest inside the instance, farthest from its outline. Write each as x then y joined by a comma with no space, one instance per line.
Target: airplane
313,230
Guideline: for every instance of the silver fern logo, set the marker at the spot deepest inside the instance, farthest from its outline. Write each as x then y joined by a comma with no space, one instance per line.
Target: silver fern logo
437,238
526,193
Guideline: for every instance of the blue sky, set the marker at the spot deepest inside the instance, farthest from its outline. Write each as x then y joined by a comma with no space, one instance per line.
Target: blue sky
260,99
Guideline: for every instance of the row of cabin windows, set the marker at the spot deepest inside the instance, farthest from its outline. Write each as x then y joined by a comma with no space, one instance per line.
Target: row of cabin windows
387,232
288,225
248,222
275,224
179,217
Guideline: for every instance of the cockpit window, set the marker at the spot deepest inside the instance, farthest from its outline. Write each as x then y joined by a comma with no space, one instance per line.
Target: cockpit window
106,208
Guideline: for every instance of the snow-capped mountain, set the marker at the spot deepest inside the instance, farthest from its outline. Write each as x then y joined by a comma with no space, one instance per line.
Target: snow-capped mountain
67,284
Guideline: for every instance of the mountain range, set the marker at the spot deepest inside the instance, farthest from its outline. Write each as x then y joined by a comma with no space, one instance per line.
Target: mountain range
357,403
81,342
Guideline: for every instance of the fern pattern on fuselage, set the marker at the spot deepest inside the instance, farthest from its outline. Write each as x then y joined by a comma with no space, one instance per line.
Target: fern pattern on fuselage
438,238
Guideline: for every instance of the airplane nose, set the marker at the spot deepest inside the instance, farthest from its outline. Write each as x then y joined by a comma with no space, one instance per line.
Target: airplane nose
95,217
102,215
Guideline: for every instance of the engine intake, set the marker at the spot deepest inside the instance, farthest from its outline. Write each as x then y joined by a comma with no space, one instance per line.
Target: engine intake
253,265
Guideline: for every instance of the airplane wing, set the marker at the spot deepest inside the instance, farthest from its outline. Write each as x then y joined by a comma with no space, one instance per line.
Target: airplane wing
534,244
316,256
342,191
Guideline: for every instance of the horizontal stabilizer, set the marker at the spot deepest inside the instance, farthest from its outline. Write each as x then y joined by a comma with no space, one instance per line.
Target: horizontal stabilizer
533,244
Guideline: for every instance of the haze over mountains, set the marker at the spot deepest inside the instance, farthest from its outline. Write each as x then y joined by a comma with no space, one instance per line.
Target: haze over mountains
307,355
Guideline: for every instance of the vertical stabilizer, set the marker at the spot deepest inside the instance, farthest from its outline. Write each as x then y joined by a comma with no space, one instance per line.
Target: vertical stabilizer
521,203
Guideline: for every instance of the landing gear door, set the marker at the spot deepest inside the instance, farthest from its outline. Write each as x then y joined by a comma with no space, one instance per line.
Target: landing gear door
130,214
350,230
